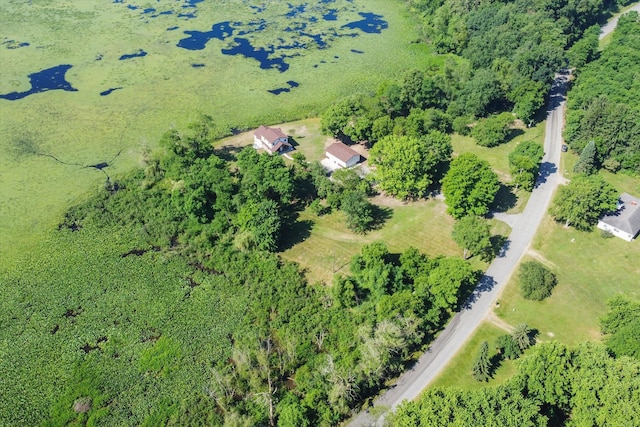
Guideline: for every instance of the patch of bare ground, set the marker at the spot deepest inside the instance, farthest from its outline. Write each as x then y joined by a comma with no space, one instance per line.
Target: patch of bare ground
495,320
539,257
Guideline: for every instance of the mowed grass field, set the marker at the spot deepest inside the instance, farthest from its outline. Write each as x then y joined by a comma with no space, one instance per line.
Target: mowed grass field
330,246
458,372
160,90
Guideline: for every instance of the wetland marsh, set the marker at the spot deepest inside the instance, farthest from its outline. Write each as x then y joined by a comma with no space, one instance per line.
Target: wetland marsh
82,81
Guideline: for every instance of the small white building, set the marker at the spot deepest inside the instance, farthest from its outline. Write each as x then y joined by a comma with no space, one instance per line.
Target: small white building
625,221
273,140
341,156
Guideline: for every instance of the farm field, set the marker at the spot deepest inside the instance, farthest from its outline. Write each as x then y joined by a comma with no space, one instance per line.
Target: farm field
139,68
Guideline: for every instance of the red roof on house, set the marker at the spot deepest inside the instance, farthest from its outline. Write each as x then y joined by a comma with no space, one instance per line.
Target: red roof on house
341,151
270,134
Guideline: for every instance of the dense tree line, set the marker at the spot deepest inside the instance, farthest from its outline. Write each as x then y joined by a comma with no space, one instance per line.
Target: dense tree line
555,385
604,103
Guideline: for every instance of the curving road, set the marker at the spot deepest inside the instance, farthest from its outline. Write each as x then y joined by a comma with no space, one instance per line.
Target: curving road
524,227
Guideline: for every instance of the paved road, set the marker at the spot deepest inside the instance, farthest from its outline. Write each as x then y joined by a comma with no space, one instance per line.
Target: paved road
609,26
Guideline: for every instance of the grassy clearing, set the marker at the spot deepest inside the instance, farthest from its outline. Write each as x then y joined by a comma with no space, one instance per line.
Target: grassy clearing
330,246
306,135
159,90
458,372
590,270
498,157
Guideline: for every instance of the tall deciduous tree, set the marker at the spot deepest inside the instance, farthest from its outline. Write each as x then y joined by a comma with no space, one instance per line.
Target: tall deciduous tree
583,201
469,186
524,162
406,166
536,281
473,235
493,130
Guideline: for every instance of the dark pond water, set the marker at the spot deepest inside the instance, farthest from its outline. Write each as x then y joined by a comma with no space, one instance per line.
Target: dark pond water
198,40
49,79
197,65
108,91
138,54
356,51
280,90
244,48
13,44
371,23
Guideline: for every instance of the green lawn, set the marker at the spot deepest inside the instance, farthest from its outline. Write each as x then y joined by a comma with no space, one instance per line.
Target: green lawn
590,269
304,134
458,372
498,157
330,246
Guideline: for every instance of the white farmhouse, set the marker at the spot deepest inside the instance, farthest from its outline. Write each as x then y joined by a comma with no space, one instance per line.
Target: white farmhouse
625,221
273,140
340,155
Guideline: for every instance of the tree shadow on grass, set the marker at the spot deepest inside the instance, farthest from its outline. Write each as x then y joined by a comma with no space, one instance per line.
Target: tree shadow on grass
380,216
294,232
513,133
505,199
228,153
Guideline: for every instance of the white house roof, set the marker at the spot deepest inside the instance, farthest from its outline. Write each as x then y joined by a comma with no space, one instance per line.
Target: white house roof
627,217
341,151
270,134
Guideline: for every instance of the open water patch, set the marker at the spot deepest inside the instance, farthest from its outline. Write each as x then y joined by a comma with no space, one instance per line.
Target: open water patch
198,40
280,90
109,91
13,44
53,78
140,53
372,23
200,65
244,48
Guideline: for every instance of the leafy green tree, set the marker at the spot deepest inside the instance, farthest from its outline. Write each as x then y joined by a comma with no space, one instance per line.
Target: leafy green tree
584,50
493,130
406,166
524,162
358,210
482,365
345,118
583,201
381,127
473,235
265,176
258,226
372,269
536,281
487,406
469,186
621,324
478,96
586,164
528,98
448,278
291,413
